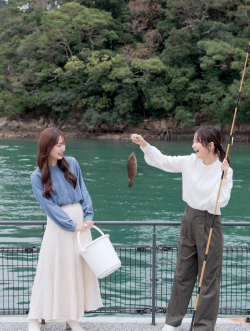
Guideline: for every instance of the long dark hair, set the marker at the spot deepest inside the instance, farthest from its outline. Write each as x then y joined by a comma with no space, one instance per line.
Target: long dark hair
48,139
208,134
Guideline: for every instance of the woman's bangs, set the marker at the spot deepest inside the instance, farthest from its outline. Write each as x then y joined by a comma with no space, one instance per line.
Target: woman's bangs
64,140
200,138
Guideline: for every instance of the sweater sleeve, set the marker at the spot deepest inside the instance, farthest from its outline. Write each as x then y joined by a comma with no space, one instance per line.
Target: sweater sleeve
167,163
86,200
51,209
225,192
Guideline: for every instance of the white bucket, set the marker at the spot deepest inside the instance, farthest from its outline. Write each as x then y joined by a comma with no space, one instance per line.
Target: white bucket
100,255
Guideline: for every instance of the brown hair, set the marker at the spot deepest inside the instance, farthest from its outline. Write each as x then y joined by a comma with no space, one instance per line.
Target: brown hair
48,139
208,134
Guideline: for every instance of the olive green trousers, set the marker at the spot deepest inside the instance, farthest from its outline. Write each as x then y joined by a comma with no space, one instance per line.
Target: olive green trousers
195,227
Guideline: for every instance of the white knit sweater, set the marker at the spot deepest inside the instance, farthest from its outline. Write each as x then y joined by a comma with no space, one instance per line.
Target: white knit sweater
200,182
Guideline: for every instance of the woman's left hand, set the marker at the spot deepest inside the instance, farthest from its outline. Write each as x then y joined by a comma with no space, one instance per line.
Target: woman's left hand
88,224
225,167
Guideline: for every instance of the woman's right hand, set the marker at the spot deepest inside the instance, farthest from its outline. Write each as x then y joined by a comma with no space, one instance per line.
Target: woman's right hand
84,226
137,139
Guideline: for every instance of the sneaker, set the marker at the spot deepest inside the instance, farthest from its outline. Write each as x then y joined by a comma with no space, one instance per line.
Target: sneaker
170,328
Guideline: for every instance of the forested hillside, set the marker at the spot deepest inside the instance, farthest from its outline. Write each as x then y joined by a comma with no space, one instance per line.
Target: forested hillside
118,60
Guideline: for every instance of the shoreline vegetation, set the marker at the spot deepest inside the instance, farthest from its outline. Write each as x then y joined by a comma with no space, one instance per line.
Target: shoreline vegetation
115,63
30,128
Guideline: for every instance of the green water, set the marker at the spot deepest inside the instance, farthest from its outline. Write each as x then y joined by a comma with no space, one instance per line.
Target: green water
155,195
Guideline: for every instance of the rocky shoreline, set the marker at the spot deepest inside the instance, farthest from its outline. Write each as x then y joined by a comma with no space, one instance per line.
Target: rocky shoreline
30,128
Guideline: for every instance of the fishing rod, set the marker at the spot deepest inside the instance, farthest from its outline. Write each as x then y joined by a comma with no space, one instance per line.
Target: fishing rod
230,142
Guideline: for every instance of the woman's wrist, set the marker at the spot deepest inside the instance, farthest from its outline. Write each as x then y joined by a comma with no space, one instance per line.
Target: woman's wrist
144,144
225,175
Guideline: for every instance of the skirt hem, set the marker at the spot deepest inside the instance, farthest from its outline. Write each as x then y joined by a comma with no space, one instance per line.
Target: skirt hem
40,315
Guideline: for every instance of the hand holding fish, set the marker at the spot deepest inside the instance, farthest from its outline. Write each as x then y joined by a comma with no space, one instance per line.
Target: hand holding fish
137,139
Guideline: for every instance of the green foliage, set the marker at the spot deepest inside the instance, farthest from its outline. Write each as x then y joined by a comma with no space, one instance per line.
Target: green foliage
178,45
125,99
157,96
182,114
60,102
221,54
125,60
74,24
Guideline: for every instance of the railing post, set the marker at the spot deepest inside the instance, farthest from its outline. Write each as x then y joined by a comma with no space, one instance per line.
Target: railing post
153,276
43,232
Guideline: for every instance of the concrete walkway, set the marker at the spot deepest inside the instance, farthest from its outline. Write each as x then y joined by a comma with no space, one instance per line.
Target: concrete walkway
120,324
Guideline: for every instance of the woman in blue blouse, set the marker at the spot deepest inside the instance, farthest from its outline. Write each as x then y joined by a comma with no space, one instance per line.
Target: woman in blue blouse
64,287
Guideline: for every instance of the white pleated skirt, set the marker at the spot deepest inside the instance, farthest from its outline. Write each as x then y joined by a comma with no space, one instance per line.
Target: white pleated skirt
64,287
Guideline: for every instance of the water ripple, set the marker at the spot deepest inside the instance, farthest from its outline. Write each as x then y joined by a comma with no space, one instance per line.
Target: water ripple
103,167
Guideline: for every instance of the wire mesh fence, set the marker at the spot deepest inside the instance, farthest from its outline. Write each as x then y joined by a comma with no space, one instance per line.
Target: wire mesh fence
129,289
235,292
234,289
18,269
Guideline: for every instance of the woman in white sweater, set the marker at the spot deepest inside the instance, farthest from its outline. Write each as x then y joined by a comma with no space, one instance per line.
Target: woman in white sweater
201,174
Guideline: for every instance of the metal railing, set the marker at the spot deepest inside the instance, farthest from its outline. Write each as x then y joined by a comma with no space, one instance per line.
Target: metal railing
141,286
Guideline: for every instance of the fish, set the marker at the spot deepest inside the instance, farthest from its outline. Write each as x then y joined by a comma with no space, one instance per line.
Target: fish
131,169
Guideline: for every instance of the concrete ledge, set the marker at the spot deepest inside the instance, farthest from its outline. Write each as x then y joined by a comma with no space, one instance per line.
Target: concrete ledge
13,323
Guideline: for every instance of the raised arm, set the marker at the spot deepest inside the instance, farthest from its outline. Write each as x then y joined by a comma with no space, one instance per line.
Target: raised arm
156,159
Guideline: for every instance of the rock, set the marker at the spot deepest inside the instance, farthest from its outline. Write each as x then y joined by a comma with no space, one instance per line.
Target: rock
109,137
244,128
66,127
91,128
26,127
185,136
14,125
149,129
161,125
186,129
105,127
3,122
51,123
41,121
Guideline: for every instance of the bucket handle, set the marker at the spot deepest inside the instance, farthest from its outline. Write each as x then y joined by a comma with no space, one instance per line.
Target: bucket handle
78,237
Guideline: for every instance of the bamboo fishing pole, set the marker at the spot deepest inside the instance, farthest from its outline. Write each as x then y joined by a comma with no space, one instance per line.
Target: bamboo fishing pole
230,142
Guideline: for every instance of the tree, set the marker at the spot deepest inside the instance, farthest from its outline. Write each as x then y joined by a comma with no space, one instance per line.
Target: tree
124,60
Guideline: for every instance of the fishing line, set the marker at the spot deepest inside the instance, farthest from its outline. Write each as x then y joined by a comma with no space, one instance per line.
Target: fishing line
129,143
230,142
